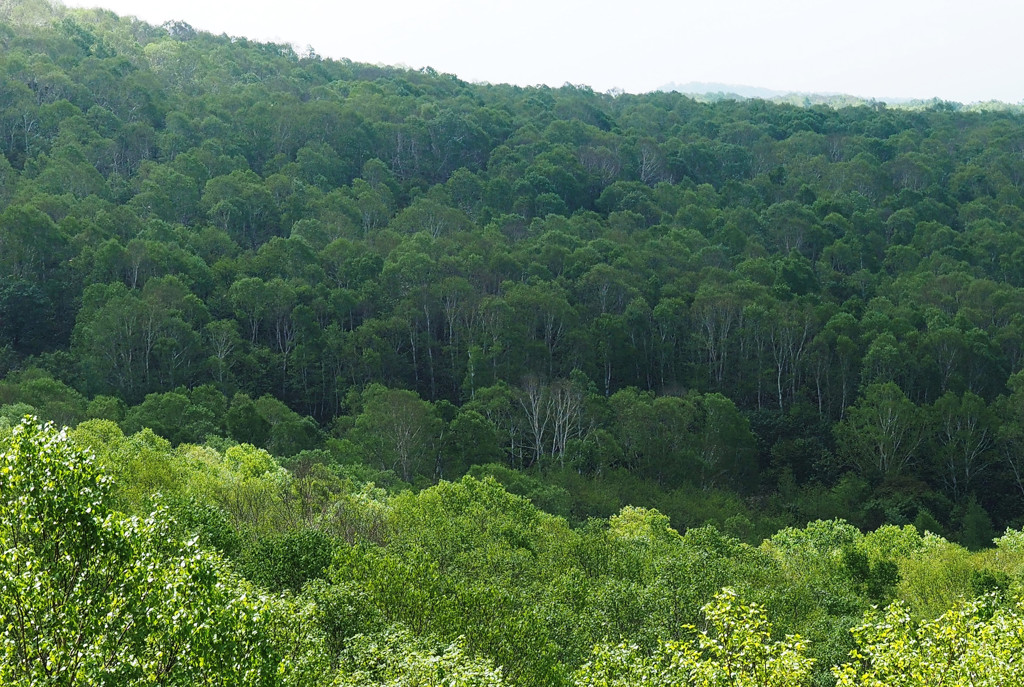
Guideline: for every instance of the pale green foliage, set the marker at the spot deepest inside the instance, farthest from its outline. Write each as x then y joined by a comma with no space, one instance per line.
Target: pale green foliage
473,525
90,598
890,542
935,576
821,536
736,649
1007,558
359,515
11,413
971,645
640,525
626,665
465,559
140,464
811,558
244,481
290,625
398,659
250,461
1012,541
813,584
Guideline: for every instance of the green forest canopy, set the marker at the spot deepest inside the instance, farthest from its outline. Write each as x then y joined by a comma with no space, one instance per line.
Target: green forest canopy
288,303
212,237
124,560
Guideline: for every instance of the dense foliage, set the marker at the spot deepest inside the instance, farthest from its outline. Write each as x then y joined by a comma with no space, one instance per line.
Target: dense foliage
88,596
643,299
387,377
124,562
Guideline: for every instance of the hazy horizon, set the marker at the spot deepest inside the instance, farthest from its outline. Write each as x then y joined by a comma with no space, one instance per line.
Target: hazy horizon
909,50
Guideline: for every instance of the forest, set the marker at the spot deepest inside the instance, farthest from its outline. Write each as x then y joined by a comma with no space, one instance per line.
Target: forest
371,375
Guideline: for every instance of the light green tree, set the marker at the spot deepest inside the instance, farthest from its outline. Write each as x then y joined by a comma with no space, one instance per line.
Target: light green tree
973,644
399,659
88,597
736,649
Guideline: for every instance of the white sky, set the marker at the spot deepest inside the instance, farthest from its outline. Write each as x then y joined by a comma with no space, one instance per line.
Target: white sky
954,50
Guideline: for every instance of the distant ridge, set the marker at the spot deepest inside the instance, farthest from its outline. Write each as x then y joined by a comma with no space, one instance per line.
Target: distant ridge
724,89
709,92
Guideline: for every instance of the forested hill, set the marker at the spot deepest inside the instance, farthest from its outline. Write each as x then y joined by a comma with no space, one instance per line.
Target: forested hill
744,313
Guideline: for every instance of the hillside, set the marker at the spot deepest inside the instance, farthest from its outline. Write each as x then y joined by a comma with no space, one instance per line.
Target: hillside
527,386
641,299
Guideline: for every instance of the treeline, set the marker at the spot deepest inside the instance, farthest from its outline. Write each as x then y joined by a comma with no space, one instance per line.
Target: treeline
124,560
630,295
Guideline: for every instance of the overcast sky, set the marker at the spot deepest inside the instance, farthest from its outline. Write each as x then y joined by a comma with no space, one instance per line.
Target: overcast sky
954,50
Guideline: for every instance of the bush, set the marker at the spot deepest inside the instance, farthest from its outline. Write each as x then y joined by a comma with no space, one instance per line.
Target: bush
288,561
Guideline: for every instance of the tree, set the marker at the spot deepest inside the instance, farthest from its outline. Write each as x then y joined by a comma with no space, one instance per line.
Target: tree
726,445
134,343
245,423
881,434
31,245
173,416
66,169
790,226
398,431
51,398
718,312
222,340
471,440
974,643
167,194
26,316
431,216
964,436
87,597
789,332
8,181
659,436
1010,436
736,648
241,204
398,657
544,312
834,354
249,296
